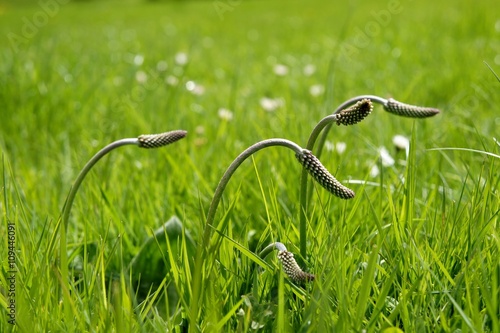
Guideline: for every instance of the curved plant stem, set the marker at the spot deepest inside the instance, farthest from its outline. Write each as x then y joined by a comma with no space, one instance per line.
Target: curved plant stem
324,125
69,203
390,105
202,250
143,141
83,173
277,245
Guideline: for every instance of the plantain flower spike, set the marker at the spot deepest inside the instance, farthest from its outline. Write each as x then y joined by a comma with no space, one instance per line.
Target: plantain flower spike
322,175
292,269
407,110
160,140
355,113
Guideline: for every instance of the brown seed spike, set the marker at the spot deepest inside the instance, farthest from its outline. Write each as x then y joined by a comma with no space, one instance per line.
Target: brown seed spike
355,113
322,176
407,110
160,140
292,269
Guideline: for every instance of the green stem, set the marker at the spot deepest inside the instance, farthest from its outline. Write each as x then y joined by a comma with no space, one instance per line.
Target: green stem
143,141
83,173
202,251
277,245
324,126
69,203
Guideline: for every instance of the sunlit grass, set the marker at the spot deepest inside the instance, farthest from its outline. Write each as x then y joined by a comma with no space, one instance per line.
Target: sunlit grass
416,249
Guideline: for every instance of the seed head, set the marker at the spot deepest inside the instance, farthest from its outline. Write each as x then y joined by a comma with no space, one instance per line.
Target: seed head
322,176
355,113
160,140
407,110
292,269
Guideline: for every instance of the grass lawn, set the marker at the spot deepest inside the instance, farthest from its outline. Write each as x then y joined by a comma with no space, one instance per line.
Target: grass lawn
416,249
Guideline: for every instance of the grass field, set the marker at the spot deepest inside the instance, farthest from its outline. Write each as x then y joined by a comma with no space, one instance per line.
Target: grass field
416,250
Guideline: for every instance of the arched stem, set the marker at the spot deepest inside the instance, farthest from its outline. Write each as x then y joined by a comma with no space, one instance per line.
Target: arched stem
268,249
323,126
202,250
63,255
83,173
143,141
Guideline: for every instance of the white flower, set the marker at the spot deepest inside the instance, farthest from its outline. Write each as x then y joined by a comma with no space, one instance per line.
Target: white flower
200,130
225,114
195,88
309,69
138,59
374,171
271,104
316,90
280,70
386,158
401,142
141,76
172,80
340,147
181,58
329,146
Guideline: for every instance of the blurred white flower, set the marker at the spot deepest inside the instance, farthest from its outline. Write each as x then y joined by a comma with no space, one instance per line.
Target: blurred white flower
141,77
374,171
280,70
309,69
340,147
200,130
225,114
181,58
386,158
329,146
172,80
316,90
138,59
401,143
271,104
195,88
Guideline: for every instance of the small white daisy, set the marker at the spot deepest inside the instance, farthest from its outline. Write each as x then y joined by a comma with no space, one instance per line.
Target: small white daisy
280,70
138,59
225,114
195,88
172,80
141,77
309,69
374,171
316,90
340,147
181,58
271,104
386,158
329,146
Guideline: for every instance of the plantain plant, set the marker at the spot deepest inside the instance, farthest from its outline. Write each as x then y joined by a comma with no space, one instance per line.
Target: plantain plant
310,163
144,141
349,112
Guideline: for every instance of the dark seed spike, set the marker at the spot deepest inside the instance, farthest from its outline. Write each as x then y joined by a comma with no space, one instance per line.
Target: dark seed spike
355,113
160,140
322,176
292,269
407,110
